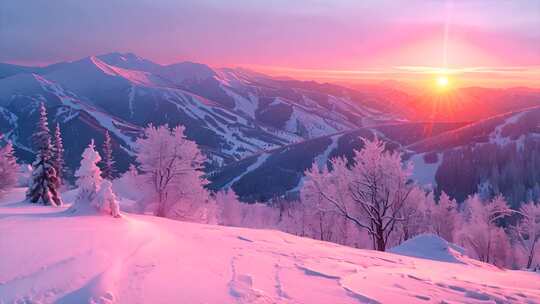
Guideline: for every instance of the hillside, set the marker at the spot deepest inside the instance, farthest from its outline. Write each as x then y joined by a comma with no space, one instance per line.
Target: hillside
230,113
52,256
498,152
280,171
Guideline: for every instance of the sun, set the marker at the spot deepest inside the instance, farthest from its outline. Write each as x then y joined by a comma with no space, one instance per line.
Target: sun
442,83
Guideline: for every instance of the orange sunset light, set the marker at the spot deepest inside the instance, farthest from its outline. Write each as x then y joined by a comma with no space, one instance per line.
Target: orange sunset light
442,82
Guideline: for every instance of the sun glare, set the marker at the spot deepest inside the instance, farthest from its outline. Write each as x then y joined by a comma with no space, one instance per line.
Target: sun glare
442,81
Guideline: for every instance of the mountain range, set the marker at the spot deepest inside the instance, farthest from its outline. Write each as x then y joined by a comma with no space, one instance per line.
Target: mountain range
261,133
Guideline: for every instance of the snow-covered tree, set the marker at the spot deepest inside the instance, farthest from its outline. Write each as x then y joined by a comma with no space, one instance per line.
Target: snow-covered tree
88,175
171,165
8,168
230,209
131,185
370,194
445,217
412,216
319,219
58,153
108,161
528,232
44,183
106,201
481,234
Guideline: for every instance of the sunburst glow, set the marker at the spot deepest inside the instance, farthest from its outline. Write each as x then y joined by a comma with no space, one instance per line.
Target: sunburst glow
442,81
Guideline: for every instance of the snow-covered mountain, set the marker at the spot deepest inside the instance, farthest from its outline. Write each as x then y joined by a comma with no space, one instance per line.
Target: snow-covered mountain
146,259
500,154
230,113
261,133
280,171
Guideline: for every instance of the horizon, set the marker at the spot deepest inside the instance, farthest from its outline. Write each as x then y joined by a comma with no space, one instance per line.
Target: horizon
477,43
332,76
283,151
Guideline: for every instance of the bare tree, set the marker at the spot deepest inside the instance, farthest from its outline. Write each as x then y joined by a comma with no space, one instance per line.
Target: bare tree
481,234
528,231
369,193
445,217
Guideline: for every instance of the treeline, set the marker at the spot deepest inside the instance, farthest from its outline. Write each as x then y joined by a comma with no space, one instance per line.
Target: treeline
369,202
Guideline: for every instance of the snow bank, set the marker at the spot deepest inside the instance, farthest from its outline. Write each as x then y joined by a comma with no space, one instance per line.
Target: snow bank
51,256
431,247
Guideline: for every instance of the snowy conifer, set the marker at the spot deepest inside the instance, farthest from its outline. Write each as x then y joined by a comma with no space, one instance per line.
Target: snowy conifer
105,200
58,153
44,183
8,168
108,161
89,174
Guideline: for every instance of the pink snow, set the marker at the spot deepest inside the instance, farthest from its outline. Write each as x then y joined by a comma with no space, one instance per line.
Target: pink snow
51,256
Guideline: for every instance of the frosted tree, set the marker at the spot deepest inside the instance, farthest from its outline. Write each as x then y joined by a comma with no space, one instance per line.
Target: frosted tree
88,175
44,183
319,219
445,217
230,209
171,165
370,194
412,216
481,234
108,161
8,168
132,186
106,201
58,153
528,232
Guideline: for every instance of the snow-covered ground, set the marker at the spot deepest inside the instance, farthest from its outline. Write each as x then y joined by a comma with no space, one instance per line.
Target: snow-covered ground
48,255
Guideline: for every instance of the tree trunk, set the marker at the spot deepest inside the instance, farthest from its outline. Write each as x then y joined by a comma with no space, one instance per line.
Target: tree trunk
161,205
531,256
381,244
379,238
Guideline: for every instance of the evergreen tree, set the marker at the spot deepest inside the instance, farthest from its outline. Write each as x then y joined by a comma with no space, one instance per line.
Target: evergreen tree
89,175
8,168
58,153
108,161
44,183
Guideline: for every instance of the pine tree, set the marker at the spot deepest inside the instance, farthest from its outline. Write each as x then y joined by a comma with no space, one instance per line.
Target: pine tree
44,183
8,168
89,174
108,161
58,154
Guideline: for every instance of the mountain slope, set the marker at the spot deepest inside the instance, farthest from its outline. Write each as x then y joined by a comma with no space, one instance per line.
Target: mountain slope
500,153
230,113
79,121
144,259
279,172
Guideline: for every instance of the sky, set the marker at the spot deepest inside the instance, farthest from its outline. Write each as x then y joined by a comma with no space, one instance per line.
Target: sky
345,40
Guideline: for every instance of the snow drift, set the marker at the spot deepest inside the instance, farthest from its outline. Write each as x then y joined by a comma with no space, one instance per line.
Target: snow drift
432,247
51,256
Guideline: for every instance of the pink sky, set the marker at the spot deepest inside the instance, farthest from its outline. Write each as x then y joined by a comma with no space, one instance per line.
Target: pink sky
322,39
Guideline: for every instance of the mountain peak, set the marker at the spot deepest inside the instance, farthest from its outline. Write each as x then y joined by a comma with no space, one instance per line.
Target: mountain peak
129,61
